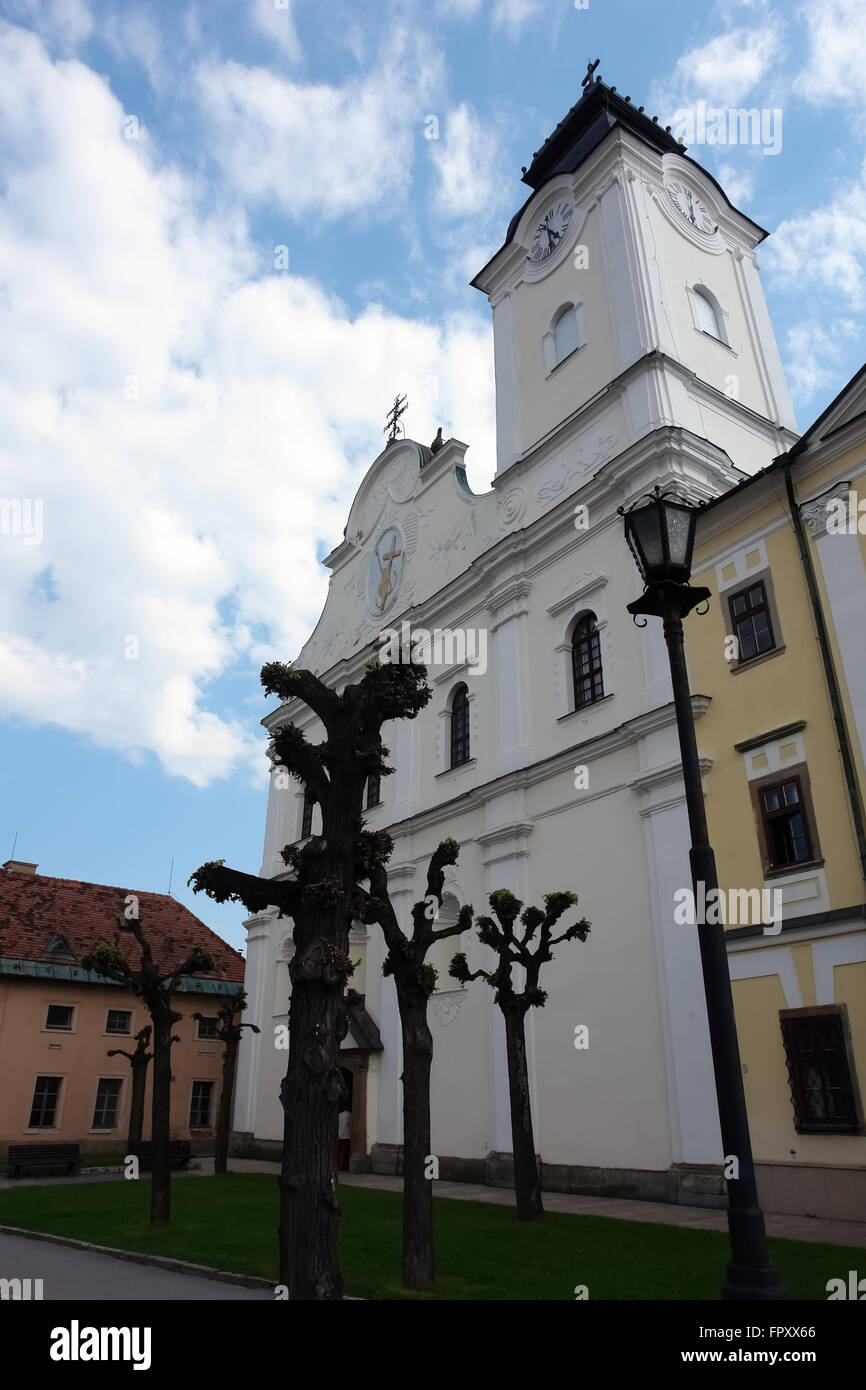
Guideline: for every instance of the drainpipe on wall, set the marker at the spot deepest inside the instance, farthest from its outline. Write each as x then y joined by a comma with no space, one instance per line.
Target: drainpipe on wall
829,669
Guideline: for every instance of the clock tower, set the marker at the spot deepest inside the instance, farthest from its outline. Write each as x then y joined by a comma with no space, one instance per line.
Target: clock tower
627,291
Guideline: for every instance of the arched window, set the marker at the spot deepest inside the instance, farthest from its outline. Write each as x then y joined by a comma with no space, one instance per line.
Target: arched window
566,336
709,314
374,789
586,662
460,726
307,817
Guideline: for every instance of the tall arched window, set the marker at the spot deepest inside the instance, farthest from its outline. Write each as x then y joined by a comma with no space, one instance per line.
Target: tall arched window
307,817
374,789
460,726
709,314
586,662
566,337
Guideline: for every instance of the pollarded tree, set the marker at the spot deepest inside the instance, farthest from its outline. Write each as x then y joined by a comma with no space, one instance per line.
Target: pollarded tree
155,987
138,1061
230,1032
321,898
514,949
415,981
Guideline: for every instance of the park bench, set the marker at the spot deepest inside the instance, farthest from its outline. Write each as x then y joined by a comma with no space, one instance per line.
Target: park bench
23,1156
179,1153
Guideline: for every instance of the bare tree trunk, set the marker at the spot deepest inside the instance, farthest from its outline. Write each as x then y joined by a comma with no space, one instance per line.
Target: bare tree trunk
526,1186
224,1116
160,1124
417,1188
310,1095
136,1105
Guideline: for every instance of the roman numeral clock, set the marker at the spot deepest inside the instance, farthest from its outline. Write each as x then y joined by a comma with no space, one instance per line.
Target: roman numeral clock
550,230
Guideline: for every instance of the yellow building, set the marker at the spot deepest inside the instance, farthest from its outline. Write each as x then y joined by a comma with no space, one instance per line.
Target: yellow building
782,656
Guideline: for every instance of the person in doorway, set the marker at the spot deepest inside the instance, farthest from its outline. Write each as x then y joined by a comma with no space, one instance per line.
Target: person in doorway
344,1134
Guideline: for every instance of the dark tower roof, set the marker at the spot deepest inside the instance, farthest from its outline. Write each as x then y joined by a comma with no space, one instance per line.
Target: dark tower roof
586,125
589,122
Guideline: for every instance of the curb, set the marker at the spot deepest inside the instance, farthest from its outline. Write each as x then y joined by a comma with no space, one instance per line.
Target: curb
247,1281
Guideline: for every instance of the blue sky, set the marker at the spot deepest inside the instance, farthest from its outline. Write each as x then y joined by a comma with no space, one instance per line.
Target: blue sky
194,407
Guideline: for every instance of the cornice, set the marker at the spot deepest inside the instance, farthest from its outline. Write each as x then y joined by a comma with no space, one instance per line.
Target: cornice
632,731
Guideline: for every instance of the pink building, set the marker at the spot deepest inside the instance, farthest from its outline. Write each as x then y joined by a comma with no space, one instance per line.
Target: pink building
58,1021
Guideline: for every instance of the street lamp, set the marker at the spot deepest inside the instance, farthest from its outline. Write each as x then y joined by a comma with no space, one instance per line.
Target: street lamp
660,530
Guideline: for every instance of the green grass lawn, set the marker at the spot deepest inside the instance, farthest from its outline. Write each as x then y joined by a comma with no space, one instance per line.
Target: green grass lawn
482,1252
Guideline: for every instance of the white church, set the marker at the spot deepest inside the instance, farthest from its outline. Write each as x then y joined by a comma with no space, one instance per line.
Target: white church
626,299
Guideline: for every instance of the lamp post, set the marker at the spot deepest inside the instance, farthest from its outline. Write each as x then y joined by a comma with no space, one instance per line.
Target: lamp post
660,531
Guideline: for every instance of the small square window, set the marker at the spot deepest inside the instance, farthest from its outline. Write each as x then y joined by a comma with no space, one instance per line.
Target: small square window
208,1028
118,1021
59,1018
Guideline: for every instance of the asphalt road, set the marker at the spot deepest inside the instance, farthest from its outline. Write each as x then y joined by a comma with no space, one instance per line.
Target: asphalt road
70,1274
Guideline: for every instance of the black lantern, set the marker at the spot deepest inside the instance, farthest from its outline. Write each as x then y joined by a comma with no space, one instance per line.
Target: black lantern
661,536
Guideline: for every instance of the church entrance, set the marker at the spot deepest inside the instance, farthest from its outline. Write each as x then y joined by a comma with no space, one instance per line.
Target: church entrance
353,1151
344,1142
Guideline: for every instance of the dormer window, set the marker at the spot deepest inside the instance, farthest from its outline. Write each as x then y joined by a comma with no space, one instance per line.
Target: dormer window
59,946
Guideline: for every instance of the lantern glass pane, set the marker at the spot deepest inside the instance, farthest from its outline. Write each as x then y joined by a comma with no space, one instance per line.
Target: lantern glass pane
679,524
646,529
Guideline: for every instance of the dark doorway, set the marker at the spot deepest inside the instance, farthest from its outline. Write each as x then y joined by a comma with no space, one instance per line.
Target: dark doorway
344,1143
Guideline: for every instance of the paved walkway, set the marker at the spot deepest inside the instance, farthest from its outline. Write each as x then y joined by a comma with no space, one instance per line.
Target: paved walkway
808,1228
68,1274
662,1213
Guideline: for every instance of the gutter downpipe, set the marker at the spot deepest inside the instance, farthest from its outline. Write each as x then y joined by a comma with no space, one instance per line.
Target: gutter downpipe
829,669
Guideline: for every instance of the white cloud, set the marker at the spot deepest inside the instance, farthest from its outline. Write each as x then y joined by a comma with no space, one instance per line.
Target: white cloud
275,21
133,34
722,72
194,425
511,15
458,9
813,356
66,22
311,147
738,183
466,162
825,248
835,69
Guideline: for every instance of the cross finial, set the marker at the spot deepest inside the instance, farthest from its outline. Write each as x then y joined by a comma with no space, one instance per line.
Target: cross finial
392,422
589,80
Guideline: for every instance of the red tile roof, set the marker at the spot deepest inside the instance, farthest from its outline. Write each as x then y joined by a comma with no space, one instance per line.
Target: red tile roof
34,909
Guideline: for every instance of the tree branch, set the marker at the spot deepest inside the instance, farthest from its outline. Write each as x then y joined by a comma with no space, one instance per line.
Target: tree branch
279,678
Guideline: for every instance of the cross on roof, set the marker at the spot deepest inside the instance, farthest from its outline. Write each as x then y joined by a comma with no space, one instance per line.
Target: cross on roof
589,80
392,422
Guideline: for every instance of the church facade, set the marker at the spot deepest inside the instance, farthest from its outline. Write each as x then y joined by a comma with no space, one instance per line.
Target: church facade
632,347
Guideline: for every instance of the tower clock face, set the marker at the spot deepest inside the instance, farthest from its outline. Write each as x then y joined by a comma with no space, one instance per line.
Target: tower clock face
689,206
550,231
